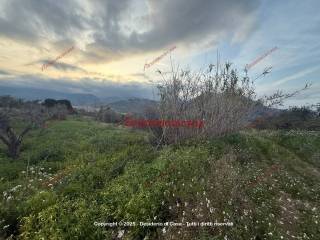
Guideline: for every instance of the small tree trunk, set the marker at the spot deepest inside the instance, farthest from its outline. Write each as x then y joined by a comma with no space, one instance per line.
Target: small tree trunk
14,149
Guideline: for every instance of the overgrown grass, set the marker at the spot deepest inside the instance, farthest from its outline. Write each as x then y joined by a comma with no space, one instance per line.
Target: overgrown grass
78,172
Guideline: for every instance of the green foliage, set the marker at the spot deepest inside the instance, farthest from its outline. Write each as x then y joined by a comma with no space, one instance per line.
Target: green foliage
78,172
302,118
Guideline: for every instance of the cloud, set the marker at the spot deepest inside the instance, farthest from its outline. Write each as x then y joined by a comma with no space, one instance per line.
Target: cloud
107,34
169,22
297,75
62,66
189,21
30,20
4,72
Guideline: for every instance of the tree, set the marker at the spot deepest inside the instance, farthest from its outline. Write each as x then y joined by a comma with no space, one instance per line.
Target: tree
13,112
50,103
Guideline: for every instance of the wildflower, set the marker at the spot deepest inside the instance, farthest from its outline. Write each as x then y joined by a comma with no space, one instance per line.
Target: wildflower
15,188
164,230
120,233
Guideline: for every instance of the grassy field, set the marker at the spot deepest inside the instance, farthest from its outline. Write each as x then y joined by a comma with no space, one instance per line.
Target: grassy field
78,172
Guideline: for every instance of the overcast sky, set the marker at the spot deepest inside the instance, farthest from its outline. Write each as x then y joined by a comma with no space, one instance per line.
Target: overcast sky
113,39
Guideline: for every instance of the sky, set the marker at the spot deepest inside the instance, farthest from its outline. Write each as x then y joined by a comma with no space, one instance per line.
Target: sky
114,39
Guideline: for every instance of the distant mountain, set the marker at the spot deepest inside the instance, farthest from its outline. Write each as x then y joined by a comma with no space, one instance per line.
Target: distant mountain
41,94
138,105
119,104
133,105
260,111
122,104
112,99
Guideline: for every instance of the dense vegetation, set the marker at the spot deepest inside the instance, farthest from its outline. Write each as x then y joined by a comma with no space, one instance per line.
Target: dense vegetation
77,171
298,118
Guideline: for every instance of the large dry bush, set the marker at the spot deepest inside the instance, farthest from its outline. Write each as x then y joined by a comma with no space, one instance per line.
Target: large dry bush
219,96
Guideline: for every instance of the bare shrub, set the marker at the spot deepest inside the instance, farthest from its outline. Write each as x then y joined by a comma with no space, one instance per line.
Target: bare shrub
156,131
218,95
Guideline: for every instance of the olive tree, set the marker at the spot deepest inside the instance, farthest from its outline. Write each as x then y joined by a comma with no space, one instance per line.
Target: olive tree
17,118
